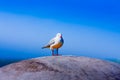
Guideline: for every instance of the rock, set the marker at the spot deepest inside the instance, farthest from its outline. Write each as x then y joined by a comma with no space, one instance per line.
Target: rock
61,68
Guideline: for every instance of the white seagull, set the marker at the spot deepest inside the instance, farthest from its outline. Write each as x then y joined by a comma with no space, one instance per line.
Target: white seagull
55,43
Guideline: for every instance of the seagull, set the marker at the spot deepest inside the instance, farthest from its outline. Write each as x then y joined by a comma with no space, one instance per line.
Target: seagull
55,43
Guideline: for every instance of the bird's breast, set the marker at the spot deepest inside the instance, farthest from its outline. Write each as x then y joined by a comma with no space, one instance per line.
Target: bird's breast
57,45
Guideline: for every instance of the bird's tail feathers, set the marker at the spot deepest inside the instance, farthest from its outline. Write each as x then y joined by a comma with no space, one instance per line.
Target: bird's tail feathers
46,46
42,47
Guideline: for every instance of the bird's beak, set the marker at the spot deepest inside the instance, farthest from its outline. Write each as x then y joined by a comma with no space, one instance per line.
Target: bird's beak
60,36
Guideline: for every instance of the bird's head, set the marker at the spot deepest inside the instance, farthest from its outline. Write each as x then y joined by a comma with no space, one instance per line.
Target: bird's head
59,35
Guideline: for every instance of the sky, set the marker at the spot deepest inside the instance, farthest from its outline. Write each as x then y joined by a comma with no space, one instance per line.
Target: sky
90,28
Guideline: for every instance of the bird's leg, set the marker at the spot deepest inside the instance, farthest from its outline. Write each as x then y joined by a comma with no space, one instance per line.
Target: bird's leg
57,52
52,52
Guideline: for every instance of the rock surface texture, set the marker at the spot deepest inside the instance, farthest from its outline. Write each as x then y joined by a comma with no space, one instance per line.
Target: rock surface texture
61,68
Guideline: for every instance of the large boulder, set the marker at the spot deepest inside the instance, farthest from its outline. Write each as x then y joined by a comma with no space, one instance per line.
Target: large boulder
61,68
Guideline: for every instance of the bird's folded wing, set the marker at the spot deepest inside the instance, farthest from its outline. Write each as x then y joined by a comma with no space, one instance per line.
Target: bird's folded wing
52,41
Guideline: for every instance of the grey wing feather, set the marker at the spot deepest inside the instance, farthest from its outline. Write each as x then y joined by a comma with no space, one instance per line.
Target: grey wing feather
52,41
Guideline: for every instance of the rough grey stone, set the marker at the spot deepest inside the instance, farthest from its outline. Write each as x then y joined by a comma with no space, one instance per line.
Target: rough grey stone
61,68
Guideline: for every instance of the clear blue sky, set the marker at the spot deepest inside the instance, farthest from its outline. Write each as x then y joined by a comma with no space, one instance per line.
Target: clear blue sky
90,28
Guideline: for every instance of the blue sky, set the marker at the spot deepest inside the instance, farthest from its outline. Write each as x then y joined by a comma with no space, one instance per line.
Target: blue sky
90,28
